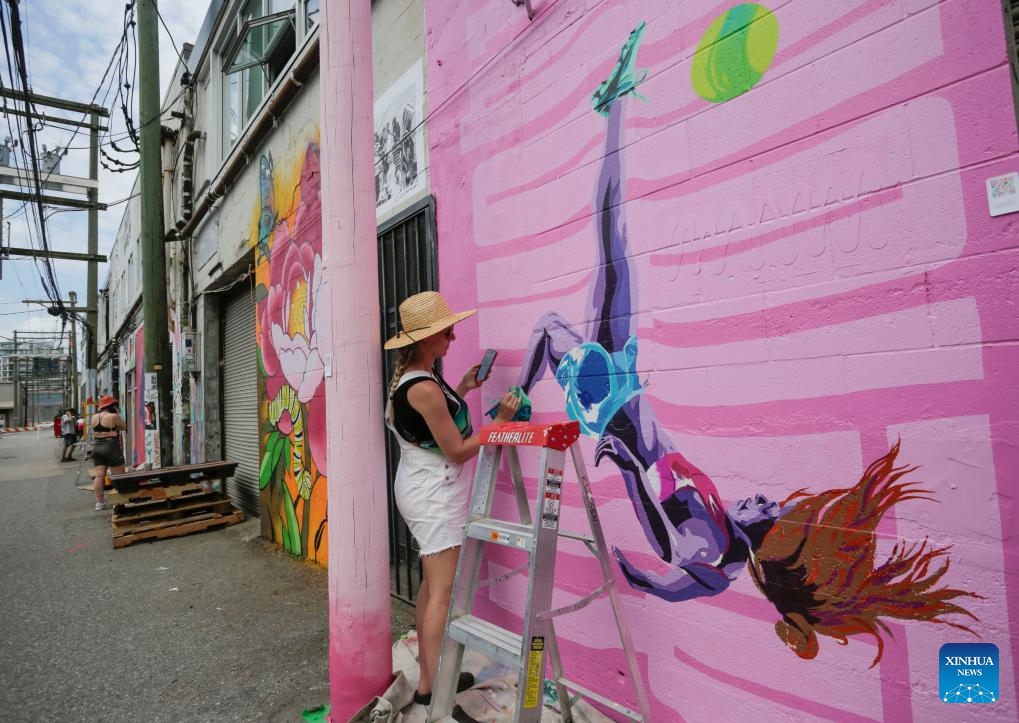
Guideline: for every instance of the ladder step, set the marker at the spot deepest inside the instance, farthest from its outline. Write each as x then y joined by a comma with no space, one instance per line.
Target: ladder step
502,532
514,534
488,639
589,695
586,539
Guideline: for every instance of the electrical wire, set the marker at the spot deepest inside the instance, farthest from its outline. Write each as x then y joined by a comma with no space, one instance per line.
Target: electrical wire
15,39
169,35
14,45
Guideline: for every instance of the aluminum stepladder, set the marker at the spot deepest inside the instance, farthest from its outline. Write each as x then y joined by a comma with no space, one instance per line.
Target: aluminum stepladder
538,536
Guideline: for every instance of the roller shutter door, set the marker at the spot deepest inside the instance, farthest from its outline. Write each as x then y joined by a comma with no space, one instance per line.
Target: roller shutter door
240,399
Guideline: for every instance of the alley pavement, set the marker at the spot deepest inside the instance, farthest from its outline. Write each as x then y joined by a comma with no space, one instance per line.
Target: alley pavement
216,626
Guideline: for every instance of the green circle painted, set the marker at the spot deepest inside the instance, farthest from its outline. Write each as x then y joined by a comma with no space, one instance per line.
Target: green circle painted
734,53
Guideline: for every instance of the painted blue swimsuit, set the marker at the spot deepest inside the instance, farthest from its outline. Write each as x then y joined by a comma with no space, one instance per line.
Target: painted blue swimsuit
598,383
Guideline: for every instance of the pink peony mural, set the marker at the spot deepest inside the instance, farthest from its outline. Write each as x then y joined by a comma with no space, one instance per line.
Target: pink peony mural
291,336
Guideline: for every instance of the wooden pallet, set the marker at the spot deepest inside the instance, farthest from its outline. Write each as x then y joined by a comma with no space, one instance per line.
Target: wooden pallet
155,515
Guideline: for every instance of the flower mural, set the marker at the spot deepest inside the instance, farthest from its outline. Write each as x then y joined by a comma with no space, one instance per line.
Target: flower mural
291,332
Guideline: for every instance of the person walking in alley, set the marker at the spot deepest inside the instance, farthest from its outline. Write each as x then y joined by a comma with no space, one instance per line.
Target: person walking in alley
70,434
107,451
432,424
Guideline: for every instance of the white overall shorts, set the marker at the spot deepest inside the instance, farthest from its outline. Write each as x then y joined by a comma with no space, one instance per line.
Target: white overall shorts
431,493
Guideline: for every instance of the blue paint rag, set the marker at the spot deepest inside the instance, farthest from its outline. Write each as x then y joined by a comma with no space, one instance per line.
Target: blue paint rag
523,412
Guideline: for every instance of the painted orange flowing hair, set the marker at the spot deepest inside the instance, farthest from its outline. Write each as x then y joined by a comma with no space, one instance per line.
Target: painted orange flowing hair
816,565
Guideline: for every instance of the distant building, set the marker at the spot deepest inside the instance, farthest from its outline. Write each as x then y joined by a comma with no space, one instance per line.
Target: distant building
39,378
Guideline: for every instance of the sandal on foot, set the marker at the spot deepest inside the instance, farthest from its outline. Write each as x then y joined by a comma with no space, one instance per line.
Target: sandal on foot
461,716
465,681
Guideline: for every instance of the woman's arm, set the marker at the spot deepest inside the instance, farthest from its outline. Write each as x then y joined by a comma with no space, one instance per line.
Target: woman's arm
429,401
469,381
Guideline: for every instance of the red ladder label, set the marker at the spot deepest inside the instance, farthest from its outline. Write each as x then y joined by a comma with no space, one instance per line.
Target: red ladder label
524,434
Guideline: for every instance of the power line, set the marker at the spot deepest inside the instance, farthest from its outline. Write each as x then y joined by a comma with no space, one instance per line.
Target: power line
170,35
49,280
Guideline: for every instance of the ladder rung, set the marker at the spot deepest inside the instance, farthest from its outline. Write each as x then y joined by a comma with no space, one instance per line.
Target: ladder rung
573,607
488,639
502,532
586,539
590,695
499,579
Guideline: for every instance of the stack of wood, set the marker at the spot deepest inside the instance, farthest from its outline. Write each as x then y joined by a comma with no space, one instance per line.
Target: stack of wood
157,513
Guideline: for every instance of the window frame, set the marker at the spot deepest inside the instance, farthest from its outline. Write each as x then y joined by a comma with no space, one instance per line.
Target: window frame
250,25
235,88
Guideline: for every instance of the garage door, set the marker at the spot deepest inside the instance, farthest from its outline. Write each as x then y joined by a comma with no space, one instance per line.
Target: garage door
240,399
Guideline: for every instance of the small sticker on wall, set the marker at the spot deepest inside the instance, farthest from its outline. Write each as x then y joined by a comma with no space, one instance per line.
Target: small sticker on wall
1003,194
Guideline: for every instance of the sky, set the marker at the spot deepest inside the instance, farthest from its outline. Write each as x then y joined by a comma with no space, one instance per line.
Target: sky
69,44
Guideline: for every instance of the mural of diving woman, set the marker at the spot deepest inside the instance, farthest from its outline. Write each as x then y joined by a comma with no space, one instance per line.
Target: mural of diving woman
813,556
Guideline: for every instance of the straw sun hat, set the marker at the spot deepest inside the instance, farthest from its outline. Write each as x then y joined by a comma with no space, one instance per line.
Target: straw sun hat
422,315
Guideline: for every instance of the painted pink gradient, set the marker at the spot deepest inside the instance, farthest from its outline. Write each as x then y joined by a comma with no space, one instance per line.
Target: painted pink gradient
817,274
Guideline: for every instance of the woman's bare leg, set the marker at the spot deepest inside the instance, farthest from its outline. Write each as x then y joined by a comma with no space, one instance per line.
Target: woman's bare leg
99,482
440,572
424,595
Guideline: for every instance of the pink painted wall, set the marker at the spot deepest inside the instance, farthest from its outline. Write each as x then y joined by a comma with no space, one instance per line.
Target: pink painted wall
138,412
815,275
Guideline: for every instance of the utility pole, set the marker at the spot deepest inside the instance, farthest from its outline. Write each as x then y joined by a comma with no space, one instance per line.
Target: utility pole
32,393
92,283
17,363
153,253
359,614
74,353
67,184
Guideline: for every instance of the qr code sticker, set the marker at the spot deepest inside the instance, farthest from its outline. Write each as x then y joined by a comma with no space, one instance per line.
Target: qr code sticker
1003,186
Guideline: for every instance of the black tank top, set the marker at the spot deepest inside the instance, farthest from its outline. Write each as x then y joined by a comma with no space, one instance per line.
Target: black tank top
99,427
411,425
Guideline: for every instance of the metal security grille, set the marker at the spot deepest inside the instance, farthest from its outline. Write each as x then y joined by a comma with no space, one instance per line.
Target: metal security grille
1012,22
1011,9
407,265
240,398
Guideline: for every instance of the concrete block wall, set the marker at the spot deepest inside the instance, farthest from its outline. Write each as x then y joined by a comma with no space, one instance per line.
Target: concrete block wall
752,245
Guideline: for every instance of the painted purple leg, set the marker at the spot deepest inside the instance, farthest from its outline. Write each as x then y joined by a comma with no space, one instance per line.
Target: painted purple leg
551,340
612,294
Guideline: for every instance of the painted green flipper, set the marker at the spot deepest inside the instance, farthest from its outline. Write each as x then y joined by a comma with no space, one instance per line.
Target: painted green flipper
624,78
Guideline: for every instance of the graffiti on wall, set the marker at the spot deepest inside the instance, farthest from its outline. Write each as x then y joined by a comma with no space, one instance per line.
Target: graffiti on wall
197,423
291,328
813,556
813,437
137,394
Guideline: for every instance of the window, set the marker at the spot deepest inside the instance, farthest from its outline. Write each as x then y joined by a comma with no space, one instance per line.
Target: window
257,43
311,14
